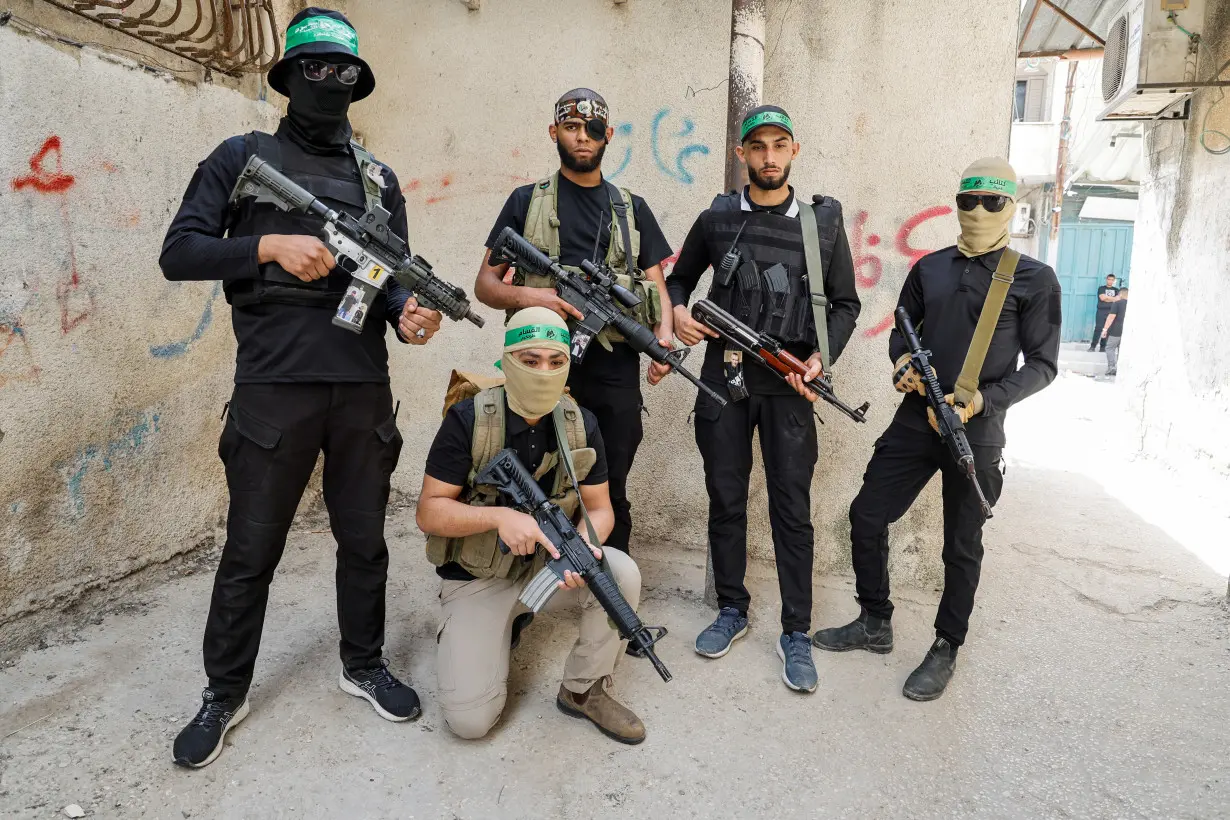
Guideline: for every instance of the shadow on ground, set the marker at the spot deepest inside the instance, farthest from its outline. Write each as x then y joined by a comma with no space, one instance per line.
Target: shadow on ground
1096,684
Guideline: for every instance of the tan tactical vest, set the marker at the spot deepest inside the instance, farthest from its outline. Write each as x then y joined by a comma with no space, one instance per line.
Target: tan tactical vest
479,554
542,231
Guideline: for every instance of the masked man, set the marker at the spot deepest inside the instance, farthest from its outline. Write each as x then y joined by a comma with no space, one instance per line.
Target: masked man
945,294
302,385
574,215
795,282
479,585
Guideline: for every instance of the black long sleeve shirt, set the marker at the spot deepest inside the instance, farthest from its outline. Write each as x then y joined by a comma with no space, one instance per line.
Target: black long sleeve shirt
944,294
839,289
276,342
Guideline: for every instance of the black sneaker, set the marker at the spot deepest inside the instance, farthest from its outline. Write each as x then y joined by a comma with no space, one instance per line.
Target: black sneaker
200,742
931,678
391,698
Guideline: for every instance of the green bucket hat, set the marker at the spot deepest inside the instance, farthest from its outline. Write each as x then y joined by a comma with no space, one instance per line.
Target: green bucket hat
317,32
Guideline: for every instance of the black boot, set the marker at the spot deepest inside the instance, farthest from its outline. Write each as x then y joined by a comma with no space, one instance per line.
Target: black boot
929,680
865,632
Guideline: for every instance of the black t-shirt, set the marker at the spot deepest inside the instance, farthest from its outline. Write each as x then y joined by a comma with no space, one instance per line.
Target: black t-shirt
450,460
1119,310
1104,308
279,342
585,215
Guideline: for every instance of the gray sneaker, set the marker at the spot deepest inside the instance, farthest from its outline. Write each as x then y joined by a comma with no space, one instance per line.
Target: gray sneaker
798,669
715,641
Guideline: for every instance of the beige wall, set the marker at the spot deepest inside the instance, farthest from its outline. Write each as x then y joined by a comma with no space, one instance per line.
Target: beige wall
112,379
1173,365
888,112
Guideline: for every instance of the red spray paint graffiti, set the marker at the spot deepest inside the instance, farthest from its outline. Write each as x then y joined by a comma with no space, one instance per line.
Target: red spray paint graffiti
869,268
75,303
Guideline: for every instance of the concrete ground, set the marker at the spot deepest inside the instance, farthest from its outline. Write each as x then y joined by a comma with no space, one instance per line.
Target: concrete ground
1096,683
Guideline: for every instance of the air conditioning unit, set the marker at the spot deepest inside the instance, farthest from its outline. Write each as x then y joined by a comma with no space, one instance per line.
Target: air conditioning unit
1149,62
1022,221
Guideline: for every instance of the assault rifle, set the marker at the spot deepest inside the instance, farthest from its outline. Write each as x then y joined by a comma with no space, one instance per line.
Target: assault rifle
506,473
952,430
365,248
598,297
769,352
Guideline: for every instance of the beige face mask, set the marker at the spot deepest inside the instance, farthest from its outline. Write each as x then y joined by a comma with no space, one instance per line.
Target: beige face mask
532,393
983,231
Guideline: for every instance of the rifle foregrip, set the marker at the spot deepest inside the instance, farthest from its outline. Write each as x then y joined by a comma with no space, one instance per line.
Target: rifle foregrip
515,246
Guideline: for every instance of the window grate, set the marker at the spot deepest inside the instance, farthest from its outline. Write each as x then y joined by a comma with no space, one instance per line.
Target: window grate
230,36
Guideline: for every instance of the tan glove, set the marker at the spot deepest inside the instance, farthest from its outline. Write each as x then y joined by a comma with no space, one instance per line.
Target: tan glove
965,412
906,379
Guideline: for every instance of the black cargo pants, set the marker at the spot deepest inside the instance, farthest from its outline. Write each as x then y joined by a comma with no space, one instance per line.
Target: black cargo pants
618,412
903,461
269,446
788,447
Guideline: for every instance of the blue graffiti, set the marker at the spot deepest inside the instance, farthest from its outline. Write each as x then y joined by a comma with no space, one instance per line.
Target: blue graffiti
623,133
679,172
129,443
171,350
669,155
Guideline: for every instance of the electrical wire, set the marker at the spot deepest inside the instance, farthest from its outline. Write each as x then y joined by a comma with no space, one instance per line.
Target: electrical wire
1221,93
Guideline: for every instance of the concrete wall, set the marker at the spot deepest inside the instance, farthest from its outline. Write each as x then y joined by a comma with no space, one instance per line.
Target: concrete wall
888,114
111,379
1174,366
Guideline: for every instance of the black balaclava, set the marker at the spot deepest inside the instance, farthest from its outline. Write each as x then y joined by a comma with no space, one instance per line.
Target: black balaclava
316,113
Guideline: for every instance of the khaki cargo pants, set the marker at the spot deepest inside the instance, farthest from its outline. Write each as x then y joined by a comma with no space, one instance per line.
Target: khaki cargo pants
476,628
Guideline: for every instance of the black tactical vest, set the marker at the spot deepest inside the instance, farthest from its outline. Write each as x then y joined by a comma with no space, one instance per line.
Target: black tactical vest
769,290
335,180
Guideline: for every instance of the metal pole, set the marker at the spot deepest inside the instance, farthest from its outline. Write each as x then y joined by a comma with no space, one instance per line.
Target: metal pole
1061,169
1088,32
747,27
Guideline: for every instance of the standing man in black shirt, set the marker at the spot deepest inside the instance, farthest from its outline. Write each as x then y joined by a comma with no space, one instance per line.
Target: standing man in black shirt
944,293
1106,301
573,215
302,385
777,290
1112,331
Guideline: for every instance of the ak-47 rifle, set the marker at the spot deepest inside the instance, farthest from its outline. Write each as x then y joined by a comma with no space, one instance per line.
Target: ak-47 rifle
770,353
598,297
365,248
506,473
952,430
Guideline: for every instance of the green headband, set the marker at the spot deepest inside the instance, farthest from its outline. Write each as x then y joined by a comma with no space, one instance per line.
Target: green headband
766,118
996,185
323,30
529,333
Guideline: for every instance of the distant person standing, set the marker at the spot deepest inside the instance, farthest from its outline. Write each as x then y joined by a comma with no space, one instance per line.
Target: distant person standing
1106,300
1112,331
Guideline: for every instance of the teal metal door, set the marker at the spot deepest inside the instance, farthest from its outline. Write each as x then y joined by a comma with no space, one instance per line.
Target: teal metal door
1088,252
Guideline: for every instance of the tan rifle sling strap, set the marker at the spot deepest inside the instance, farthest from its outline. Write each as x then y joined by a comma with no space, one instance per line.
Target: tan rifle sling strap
971,370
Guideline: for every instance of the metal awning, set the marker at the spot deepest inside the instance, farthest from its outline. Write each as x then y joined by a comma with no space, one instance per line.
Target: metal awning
1073,29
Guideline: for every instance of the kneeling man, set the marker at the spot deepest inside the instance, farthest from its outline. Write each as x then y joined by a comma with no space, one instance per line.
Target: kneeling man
481,617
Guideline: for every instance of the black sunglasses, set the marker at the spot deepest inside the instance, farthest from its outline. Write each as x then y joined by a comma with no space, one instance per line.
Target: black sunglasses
992,202
318,70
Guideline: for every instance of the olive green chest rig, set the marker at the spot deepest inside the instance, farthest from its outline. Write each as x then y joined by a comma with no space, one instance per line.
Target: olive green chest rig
542,223
479,554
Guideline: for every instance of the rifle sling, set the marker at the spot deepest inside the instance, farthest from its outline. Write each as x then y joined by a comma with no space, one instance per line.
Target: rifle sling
971,370
815,280
565,455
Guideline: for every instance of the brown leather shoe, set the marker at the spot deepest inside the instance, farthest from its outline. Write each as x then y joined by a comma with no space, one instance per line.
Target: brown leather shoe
612,718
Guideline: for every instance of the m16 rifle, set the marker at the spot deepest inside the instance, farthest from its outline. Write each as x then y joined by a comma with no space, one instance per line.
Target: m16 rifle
506,473
365,248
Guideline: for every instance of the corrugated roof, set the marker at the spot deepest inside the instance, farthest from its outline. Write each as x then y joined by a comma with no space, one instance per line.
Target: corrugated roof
1051,32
